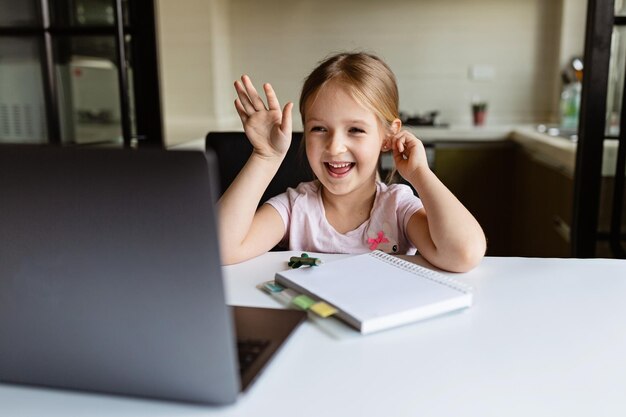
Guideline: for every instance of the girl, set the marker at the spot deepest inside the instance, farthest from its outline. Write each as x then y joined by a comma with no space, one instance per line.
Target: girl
349,108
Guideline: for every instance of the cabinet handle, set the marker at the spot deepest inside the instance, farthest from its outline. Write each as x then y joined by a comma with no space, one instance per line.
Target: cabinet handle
561,228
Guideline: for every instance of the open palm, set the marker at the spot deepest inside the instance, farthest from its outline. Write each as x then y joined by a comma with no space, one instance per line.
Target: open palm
267,127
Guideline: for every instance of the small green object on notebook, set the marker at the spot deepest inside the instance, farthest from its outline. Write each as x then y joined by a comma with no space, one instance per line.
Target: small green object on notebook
304,259
303,302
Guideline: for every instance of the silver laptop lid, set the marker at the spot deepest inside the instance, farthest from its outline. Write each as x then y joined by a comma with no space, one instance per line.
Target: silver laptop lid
110,276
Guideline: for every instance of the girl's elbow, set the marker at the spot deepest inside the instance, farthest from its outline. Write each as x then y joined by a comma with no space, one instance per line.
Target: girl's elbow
466,264
237,254
470,256
231,256
227,260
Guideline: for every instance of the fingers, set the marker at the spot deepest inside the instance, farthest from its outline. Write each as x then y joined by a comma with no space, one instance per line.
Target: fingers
399,156
394,142
248,96
403,144
409,154
272,100
255,99
248,99
285,126
243,98
241,111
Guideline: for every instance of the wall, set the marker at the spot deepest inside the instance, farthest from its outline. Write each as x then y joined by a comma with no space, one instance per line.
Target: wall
187,33
574,17
207,44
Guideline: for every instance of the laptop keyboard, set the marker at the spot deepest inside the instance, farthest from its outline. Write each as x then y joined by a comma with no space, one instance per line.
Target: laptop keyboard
249,350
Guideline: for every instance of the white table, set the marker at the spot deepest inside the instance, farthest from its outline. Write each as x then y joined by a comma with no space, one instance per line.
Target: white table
545,337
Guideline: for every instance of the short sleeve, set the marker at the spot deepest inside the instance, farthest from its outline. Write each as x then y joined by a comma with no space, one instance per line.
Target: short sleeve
285,204
282,205
406,202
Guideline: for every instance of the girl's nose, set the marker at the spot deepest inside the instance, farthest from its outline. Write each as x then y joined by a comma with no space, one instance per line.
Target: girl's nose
336,144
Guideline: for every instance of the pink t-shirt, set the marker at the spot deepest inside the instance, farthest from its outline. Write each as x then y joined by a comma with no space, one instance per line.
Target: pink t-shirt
307,229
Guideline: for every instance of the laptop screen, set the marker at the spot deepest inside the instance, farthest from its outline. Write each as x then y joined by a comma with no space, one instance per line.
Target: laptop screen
110,276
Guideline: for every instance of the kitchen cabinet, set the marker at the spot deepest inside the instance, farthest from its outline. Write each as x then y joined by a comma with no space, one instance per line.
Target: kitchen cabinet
523,202
603,248
542,206
480,175
519,184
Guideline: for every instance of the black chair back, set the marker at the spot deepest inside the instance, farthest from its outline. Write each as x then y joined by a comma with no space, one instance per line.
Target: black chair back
233,150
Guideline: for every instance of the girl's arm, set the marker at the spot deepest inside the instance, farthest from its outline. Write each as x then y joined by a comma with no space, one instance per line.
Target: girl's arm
246,232
444,232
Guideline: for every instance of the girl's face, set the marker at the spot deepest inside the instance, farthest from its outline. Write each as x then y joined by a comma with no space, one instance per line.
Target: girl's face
343,140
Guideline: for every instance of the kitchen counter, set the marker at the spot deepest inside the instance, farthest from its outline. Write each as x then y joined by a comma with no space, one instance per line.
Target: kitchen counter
461,133
555,151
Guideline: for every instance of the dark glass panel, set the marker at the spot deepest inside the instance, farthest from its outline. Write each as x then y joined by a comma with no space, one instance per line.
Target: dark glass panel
80,13
19,13
89,100
22,108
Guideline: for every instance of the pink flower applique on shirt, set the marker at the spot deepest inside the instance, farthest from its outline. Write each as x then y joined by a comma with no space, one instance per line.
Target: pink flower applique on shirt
374,242
384,240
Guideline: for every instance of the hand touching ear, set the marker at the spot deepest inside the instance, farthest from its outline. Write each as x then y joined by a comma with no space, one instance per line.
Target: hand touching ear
408,153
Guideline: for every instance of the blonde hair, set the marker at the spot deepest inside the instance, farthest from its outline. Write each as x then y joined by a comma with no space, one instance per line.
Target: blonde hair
368,79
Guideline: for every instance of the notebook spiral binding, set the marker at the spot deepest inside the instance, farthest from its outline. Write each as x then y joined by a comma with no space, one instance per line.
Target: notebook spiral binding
421,271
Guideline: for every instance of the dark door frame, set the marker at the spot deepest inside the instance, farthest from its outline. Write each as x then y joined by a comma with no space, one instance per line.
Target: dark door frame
591,136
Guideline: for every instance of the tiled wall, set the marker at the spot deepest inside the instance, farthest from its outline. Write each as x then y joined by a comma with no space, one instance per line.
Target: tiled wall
430,45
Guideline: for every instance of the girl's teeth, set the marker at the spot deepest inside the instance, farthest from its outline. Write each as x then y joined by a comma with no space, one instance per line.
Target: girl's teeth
339,168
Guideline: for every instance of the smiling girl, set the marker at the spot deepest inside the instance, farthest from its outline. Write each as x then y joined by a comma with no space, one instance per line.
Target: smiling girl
349,108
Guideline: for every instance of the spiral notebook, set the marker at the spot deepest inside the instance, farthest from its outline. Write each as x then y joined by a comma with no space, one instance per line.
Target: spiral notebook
376,291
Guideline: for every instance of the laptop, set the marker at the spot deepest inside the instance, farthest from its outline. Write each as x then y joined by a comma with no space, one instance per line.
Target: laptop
110,278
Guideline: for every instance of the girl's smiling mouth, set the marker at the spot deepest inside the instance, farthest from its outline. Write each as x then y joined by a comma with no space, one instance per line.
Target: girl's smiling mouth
339,169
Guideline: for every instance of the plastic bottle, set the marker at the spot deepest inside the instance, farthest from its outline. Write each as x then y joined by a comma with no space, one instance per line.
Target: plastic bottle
570,106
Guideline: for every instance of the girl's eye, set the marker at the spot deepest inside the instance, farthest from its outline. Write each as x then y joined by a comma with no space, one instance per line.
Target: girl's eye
356,130
317,129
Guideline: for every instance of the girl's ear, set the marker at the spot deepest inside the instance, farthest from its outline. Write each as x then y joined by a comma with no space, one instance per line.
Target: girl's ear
396,125
394,129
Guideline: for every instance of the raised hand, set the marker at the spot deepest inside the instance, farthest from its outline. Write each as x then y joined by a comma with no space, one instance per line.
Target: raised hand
267,127
408,153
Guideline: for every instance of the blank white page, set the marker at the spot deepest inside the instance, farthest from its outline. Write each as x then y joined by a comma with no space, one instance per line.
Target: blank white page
367,286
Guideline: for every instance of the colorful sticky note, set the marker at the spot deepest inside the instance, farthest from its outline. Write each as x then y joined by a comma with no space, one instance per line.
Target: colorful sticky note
271,286
323,310
282,297
302,301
